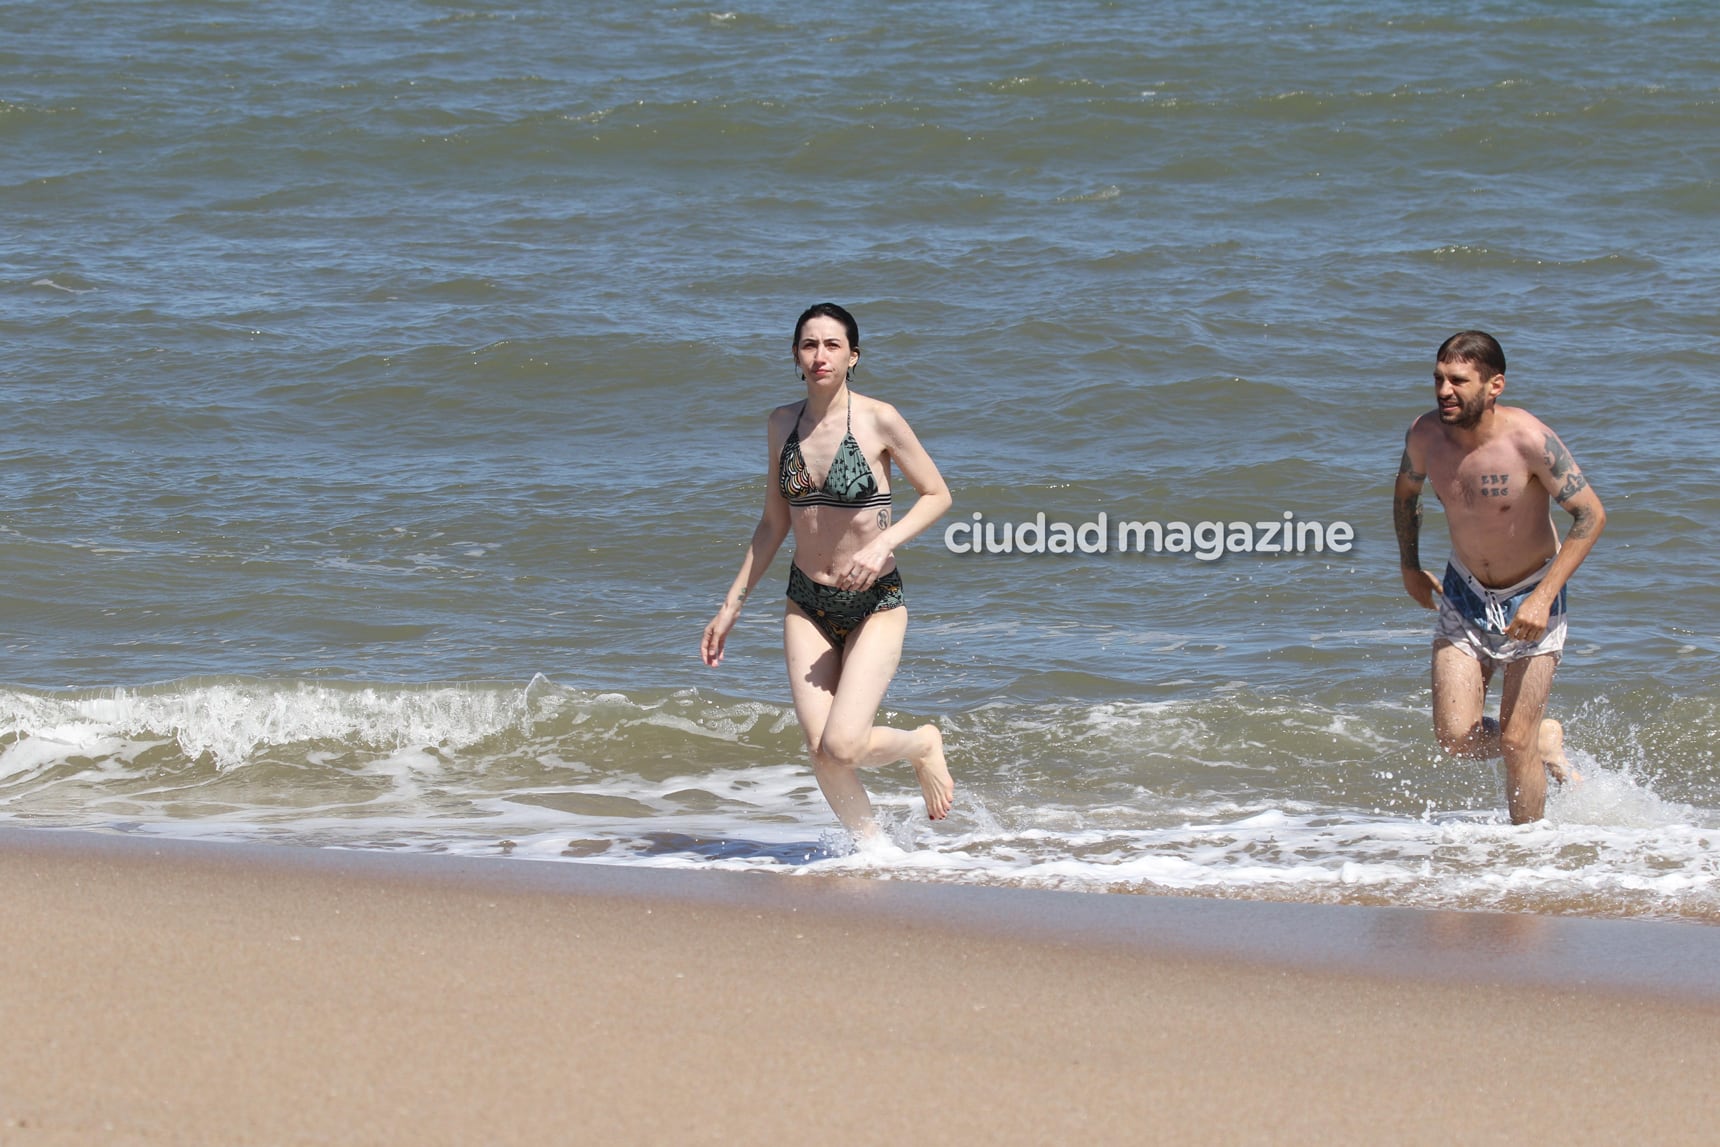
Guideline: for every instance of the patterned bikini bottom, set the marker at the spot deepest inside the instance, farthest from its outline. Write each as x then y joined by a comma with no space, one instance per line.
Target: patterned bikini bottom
837,611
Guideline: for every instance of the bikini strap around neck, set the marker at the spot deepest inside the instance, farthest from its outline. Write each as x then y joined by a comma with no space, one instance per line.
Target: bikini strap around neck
801,413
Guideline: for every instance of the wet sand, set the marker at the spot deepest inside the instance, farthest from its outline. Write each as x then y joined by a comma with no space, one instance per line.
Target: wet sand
170,992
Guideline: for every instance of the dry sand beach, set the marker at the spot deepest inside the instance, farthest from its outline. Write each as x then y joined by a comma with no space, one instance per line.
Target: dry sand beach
172,992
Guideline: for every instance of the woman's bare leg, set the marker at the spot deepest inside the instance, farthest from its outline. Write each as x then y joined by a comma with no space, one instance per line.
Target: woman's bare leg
837,703
851,738
814,671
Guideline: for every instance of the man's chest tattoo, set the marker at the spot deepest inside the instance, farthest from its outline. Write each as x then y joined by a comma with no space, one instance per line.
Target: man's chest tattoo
1495,485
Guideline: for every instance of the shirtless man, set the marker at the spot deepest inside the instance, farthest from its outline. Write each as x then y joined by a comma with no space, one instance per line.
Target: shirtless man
1502,600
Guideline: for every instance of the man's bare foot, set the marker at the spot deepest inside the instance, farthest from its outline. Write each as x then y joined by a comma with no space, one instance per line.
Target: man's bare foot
936,783
1552,743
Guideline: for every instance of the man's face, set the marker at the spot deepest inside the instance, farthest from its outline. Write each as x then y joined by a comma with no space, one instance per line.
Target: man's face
1464,392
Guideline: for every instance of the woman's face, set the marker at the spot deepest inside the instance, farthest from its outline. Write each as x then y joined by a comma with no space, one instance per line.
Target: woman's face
822,352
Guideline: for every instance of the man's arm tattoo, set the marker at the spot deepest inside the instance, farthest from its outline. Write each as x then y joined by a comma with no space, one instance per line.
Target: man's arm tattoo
1584,525
1406,519
1406,468
1574,483
1563,466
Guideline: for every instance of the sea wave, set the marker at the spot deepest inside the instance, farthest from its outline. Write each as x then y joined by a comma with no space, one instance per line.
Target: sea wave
1235,794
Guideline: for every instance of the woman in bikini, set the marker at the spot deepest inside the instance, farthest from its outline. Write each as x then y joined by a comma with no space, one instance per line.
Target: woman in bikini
843,627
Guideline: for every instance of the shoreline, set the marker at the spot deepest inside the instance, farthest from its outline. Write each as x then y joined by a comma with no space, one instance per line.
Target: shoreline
1655,958
1668,959
187,992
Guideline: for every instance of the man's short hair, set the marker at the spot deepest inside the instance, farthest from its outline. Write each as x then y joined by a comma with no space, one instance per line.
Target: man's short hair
1476,347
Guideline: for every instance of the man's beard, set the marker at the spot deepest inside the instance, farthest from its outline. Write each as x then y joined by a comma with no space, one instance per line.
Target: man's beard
1468,414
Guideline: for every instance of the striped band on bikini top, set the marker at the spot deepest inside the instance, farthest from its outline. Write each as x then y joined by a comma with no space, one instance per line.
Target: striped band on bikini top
849,483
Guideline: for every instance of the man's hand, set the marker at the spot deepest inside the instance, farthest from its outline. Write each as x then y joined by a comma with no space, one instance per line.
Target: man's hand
1424,587
1530,624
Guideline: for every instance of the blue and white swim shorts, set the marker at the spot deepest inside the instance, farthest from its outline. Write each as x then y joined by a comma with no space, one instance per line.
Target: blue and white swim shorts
1474,617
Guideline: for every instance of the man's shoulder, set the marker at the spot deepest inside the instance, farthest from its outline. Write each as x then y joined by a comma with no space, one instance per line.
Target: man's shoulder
1523,430
1424,422
1516,420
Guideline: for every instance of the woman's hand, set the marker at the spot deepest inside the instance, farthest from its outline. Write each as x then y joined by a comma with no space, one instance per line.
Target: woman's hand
717,634
865,566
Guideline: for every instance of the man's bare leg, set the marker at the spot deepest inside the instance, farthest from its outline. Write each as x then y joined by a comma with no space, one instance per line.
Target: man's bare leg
1526,738
1552,743
1532,744
1522,709
1459,695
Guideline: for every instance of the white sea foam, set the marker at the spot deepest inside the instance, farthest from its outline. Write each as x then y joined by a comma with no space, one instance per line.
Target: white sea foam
51,284
230,722
1206,797
1639,864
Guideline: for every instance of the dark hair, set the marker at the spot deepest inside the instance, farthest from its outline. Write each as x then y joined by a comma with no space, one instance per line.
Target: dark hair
828,311
1477,347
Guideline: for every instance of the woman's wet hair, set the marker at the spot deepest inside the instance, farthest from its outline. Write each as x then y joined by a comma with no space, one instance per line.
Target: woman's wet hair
829,311
1476,347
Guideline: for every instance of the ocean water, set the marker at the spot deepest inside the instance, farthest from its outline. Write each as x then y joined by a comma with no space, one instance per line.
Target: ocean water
385,395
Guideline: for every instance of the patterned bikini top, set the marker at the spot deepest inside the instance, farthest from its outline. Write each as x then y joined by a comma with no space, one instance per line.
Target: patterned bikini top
848,483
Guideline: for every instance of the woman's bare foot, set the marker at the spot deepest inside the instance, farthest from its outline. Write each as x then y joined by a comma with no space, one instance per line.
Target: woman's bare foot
936,783
1552,743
